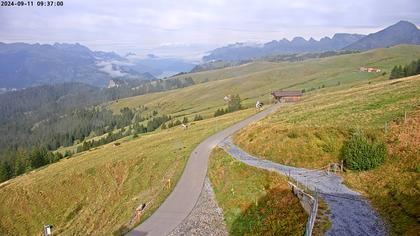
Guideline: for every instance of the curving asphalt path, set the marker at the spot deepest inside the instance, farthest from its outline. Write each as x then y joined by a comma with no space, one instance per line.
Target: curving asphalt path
183,198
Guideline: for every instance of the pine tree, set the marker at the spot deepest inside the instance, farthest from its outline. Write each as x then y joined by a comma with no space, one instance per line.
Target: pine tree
400,72
394,73
185,120
6,171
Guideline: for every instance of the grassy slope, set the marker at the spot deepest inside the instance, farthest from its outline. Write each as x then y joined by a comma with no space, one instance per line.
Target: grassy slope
205,98
311,133
254,201
96,192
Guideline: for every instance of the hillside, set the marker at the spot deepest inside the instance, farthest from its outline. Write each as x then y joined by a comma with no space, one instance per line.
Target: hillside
255,81
99,189
311,134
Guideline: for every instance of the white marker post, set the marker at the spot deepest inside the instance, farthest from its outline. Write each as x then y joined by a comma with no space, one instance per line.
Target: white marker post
48,230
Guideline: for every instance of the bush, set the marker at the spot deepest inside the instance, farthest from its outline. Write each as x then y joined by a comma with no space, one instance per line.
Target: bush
220,112
361,153
198,117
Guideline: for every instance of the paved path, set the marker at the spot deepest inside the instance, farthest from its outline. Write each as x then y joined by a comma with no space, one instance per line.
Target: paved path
183,198
205,219
351,214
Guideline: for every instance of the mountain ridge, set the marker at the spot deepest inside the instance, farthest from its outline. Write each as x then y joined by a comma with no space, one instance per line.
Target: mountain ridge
403,32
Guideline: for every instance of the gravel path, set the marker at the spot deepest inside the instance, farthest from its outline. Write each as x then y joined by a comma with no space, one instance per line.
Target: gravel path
351,214
205,219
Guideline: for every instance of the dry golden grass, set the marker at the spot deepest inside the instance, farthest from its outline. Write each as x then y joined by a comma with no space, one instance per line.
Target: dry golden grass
311,133
96,192
254,201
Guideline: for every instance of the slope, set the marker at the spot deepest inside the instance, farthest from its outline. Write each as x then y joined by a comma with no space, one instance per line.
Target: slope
255,81
311,134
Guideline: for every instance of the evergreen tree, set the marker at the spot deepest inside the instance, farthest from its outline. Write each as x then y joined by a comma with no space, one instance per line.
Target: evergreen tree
38,157
400,72
6,171
185,120
394,73
418,67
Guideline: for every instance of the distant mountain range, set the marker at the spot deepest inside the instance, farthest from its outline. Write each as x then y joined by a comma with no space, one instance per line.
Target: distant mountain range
24,65
403,32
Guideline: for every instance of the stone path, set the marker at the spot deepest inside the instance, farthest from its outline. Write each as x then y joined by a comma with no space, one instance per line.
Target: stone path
351,214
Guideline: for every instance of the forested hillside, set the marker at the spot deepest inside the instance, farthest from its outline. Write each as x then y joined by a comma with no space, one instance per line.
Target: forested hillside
38,120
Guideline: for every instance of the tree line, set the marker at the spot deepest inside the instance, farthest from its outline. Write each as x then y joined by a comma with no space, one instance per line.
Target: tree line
78,126
410,69
22,161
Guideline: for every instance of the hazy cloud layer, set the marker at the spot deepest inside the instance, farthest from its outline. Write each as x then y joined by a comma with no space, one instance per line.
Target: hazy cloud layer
189,28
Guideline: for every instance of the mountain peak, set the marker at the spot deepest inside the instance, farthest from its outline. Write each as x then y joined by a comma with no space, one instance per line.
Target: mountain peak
298,40
403,25
403,32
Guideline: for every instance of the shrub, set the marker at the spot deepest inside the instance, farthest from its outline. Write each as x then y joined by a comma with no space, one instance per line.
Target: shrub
220,112
198,117
361,153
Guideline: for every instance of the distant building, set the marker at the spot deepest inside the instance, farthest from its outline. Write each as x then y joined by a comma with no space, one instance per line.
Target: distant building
369,69
287,96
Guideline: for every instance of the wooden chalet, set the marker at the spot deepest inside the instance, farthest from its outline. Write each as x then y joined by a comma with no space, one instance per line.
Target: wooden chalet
287,96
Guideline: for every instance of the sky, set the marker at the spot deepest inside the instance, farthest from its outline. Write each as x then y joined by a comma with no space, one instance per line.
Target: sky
189,28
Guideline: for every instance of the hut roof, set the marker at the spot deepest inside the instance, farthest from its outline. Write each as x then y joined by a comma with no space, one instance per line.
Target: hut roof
287,93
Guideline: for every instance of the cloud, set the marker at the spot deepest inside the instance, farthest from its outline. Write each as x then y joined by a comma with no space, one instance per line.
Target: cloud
148,26
110,69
